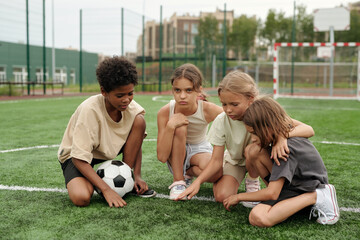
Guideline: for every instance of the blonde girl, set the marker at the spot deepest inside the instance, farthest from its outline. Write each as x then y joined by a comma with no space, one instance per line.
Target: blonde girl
182,125
237,91
300,182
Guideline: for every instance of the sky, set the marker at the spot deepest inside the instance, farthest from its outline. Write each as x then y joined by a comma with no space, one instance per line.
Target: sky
99,14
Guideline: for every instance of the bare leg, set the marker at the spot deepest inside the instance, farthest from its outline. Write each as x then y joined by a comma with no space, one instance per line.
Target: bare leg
132,148
198,164
267,216
253,155
178,153
225,187
80,191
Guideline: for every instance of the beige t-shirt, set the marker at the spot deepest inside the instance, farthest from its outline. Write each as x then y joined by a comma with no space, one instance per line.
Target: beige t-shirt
91,132
198,126
230,133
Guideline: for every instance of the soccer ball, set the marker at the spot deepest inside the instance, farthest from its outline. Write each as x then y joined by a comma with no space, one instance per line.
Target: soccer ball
117,175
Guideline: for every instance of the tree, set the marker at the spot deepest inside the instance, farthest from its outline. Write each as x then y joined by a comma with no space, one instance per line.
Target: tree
242,36
277,27
208,36
353,35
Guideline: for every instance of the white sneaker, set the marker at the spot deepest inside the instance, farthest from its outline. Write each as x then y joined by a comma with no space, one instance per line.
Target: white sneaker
326,205
251,186
176,188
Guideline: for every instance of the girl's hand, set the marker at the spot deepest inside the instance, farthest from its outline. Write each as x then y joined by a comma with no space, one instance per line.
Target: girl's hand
140,186
113,199
230,201
280,150
178,120
191,191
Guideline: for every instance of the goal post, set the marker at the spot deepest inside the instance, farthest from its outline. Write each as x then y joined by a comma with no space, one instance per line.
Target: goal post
276,68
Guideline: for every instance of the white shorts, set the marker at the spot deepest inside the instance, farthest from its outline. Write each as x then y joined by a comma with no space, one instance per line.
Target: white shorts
191,150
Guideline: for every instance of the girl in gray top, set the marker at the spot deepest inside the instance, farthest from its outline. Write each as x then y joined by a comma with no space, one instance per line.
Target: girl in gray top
299,182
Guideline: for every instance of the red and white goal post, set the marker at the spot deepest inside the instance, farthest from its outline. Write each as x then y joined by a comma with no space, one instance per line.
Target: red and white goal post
276,64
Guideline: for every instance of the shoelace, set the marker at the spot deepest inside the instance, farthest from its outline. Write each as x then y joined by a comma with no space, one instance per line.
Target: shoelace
252,185
319,214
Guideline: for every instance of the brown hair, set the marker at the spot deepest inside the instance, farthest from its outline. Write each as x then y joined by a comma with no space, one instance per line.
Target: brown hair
192,73
268,120
240,83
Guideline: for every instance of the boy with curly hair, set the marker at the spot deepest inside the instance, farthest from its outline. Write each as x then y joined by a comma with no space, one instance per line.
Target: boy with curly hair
102,127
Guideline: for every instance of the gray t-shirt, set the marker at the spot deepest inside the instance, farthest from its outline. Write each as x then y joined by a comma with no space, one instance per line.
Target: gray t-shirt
304,170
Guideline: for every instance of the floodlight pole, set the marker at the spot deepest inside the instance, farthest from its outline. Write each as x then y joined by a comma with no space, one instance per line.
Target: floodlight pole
332,60
358,77
293,35
44,50
53,42
27,48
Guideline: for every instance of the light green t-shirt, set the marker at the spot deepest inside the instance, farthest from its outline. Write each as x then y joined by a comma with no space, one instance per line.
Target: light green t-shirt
92,133
230,133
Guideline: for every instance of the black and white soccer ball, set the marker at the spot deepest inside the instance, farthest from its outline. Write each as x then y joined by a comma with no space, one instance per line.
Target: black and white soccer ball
117,175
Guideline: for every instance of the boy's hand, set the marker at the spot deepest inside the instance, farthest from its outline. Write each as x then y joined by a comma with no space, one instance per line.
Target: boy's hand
113,199
140,186
230,201
191,191
280,150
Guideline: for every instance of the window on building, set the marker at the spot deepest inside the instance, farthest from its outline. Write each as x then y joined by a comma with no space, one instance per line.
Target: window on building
186,27
193,39
60,75
73,76
40,75
194,28
20,74
2,74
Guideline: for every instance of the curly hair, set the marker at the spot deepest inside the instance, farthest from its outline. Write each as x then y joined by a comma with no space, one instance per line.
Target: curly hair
115,72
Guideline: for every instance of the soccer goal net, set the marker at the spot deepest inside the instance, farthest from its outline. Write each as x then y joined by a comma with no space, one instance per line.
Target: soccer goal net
306,70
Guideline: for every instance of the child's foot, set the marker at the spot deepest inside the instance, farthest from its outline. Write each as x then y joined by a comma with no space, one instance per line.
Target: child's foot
326,205
176,188
251,186
188,180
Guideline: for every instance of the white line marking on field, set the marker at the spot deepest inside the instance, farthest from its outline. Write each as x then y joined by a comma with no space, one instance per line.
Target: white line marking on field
152,140
29,148
337,143
50,146
31,189
158,99
159,195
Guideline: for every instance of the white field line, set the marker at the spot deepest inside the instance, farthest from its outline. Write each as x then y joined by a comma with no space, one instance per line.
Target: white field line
48,146
159,195
152,140
158,99
337,143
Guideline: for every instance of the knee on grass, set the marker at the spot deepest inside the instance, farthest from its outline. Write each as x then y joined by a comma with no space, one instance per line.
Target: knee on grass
220,196
81,199
259,220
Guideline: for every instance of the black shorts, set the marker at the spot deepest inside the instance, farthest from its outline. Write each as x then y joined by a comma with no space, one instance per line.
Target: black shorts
284,194
70,171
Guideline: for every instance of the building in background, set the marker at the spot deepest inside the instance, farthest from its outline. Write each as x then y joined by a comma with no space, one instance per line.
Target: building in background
178,34
13,64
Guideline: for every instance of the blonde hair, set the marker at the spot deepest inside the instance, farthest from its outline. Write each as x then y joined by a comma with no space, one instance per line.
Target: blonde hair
268,120
240,83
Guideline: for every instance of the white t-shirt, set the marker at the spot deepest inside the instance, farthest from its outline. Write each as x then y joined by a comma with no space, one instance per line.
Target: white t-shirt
230,133
92,133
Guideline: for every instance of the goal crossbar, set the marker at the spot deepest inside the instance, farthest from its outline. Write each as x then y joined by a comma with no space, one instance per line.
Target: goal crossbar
277,46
